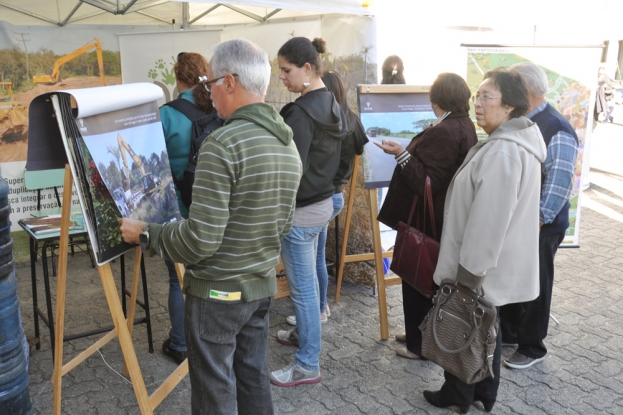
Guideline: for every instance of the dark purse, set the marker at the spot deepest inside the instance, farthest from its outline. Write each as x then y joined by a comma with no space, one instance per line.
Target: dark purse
460,331
415,253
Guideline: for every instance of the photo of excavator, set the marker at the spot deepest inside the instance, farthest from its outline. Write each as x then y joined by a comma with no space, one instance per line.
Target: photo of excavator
150,195
55,76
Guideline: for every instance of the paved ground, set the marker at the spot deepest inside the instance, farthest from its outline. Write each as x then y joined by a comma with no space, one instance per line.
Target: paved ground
583,373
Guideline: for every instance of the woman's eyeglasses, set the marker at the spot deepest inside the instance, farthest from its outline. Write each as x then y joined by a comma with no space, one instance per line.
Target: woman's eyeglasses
483,98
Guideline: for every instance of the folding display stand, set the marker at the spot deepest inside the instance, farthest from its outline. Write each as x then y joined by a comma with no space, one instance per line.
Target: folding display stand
123,327
377,255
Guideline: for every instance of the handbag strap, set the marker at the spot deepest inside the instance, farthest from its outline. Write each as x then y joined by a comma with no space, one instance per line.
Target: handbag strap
412,209
431,211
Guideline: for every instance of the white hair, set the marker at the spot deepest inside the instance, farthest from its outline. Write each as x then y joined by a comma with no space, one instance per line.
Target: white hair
247,60
534,76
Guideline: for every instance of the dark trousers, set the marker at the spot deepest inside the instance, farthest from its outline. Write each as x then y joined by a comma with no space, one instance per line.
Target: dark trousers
226,342
526,323
460,393
415,307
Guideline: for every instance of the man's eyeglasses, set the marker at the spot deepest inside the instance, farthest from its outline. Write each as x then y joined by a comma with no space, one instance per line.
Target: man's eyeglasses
208,84
483,98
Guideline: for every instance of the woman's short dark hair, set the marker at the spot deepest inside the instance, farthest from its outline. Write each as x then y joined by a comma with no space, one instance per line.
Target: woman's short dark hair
300,50
392,70
513,89
450,92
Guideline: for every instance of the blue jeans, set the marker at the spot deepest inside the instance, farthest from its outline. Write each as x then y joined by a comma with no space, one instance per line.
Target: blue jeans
298,252
176,309
227,343
321,263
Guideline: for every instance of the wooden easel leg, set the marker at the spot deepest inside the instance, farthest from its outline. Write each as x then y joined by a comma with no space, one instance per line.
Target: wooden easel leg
378,262
349,215
133,293
180,269
60,291
125,339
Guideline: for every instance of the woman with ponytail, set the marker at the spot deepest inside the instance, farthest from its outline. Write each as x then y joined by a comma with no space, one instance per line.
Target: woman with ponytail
190,70
319,126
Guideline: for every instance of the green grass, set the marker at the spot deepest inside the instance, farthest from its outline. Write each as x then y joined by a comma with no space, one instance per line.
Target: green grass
21,246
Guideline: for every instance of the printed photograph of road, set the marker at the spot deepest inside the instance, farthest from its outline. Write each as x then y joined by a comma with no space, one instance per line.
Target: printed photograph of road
386,118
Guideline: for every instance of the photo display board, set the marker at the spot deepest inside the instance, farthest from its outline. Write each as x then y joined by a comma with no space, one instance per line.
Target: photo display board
390,112
116,150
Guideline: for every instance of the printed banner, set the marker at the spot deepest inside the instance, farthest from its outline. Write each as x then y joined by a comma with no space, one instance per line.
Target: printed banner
142,62
571,92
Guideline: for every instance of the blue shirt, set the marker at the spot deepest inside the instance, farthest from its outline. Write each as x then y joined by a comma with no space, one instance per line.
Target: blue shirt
177,131
562,152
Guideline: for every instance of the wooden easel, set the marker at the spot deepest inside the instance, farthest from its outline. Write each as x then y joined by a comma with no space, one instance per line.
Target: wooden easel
377,255
123,327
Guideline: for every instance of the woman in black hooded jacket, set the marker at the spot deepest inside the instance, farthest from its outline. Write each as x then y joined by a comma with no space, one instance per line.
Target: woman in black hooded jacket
319,126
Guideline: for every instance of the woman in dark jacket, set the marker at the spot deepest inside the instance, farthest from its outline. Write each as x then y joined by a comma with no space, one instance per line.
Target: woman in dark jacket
352,145
436,152
318,126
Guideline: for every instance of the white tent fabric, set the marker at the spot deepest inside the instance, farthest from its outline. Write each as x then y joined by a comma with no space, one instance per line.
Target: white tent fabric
322,6
159,12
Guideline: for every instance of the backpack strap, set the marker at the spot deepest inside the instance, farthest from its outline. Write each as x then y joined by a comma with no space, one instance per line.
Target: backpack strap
190,110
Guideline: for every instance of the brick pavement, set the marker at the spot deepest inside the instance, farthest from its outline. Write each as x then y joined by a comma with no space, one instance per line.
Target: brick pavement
582,374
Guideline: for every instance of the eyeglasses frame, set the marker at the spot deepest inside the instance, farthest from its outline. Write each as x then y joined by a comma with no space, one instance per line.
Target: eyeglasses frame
207,84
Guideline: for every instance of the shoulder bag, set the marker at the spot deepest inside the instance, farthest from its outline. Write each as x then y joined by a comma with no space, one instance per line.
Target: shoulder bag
415,253
460,331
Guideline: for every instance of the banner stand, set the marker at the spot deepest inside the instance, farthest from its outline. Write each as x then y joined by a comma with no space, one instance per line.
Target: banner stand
377,255
123,327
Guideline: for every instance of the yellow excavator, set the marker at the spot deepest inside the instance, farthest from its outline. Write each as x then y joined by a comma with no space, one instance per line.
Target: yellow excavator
152,200
151,183
55,76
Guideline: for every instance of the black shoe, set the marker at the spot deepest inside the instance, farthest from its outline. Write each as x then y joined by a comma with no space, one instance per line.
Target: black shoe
434,398
178,355
488,405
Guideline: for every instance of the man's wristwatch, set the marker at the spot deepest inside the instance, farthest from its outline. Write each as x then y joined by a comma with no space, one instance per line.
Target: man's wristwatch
144,238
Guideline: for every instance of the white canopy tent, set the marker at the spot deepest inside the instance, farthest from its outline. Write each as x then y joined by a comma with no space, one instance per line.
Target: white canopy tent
159,12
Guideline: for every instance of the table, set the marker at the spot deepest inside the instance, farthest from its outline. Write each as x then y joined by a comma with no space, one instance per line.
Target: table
78,237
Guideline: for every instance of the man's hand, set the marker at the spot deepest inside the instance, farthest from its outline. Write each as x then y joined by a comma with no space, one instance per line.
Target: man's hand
390,147
130,229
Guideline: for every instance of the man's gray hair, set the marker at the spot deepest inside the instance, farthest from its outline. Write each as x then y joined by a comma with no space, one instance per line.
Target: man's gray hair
245,58
534,76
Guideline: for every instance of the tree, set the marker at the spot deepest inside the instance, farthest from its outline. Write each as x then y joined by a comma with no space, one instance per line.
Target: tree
116,153
364,51
103,171
114,175
422,124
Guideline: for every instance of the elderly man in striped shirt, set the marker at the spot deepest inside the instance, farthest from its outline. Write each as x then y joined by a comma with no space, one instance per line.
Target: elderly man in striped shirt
246,180
525,324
